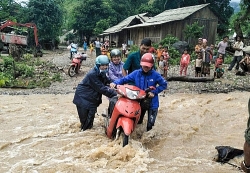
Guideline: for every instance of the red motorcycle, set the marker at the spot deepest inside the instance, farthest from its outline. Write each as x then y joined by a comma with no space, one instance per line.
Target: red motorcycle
76,64
126,112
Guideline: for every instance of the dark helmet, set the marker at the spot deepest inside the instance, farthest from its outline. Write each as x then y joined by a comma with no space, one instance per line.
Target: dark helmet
115,52
102,60
147,60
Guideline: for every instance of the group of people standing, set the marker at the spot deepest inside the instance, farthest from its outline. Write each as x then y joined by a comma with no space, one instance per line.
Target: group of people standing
163,57
239,59
205,55
138,70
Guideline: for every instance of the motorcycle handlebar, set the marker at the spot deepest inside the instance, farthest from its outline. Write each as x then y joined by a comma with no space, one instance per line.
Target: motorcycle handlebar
150,89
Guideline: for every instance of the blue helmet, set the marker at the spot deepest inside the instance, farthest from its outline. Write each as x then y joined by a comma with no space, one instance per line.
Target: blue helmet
102,60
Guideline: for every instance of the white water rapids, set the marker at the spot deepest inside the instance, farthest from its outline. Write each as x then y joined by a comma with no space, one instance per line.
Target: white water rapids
40,134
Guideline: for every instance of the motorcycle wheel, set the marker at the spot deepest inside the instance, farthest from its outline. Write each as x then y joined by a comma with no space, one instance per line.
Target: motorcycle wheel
71,71
76,69
125,140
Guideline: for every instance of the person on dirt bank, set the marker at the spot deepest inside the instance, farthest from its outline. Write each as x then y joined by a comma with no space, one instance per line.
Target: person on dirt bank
245,164
245,63
133,61
222,45
238,54
85,46
206,59
199,46
144,78
73,49
97,44
88,94
116,65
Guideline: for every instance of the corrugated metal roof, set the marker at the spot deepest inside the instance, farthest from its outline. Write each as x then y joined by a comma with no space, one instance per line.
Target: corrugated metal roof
126,23
170,15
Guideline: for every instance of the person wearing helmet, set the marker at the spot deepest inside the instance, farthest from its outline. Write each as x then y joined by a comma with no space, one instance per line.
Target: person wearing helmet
73,49
116,65
88,94
133,61
144,78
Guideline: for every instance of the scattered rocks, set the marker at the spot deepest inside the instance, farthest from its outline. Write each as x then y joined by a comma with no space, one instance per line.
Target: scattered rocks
229,83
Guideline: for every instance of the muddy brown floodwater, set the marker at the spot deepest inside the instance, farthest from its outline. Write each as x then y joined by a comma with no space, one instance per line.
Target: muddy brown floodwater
40,132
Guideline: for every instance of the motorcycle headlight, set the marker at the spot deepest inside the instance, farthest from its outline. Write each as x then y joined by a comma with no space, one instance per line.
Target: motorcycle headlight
132,94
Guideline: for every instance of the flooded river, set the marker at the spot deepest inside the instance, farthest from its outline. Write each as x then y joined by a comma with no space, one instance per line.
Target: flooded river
41,134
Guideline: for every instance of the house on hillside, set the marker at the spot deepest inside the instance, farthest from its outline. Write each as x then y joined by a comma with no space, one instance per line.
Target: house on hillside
173,22
117,33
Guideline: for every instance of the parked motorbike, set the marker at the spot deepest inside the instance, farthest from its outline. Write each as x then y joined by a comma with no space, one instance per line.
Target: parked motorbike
126,112
76,63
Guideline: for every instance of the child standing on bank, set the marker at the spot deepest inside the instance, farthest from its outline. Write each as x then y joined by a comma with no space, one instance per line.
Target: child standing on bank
85,46
91,46
166,56
219,71
198,64
161,66
159,53
184,62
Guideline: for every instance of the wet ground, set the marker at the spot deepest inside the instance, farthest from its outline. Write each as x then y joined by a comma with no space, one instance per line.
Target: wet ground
40,130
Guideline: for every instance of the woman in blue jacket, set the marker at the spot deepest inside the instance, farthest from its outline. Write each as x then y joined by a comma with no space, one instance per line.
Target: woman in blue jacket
88,94
144,78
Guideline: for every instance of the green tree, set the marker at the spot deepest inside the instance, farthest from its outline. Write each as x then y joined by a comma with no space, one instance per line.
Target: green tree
240,22
68,11
47,15
223,11
193,31
148,8
163,5
4,10
101,25
88,14
9,10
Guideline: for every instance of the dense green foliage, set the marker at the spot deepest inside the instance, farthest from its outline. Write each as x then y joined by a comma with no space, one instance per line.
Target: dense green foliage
240,20
26,73
47,15
10,10
193,31
91,17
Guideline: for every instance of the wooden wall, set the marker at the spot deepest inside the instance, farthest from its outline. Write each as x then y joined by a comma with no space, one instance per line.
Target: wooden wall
158,32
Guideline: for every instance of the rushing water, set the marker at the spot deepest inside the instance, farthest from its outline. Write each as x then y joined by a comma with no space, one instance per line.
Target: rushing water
40,133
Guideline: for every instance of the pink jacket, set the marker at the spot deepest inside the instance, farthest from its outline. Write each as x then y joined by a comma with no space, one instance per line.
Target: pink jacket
185,59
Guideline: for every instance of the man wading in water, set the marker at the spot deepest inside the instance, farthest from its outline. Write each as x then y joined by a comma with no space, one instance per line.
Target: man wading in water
245,164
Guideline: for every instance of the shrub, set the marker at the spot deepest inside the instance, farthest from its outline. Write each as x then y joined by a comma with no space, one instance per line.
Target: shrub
57,77
134,48
168,40
8,62
25,70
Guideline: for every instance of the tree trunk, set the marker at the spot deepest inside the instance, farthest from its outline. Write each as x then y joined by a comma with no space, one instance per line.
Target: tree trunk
237,28
190,79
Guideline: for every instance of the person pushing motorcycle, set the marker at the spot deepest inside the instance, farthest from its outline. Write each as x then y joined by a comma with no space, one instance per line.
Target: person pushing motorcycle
144,78
88,94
